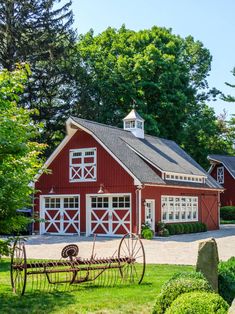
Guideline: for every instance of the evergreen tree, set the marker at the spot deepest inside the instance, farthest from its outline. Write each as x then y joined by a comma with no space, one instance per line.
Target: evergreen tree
39,32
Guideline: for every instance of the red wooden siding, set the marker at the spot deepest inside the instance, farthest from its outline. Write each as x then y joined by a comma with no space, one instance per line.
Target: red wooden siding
207,203
227,198
109,173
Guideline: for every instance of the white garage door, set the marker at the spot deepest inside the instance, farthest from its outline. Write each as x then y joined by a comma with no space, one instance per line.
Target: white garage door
61,214
109,214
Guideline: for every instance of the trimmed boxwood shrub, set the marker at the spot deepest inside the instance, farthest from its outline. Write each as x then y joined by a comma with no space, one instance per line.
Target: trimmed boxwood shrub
226,271
198,302
227,213
180,228
178,284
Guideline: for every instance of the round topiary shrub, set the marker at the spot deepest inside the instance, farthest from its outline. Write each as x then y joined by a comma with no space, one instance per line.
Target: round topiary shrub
178,284
177,229
198,302
186,228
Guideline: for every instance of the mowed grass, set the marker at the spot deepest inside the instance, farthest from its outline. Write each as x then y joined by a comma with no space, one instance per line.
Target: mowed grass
88,299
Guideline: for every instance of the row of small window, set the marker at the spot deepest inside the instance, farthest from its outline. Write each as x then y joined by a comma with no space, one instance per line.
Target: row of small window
179,208
104,202
67,202
133,124
184,178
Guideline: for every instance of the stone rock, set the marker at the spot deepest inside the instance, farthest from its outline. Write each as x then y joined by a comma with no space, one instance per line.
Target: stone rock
207,261
232,308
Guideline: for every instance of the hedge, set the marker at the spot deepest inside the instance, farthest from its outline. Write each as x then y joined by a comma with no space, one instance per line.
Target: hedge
227,213
180,228
226,272
178,284
198,302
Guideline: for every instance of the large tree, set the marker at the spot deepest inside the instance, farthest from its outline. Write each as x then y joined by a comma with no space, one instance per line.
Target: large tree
19,152
39,32
164,75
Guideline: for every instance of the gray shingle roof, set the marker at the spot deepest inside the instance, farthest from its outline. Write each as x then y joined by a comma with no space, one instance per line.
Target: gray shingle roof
227,161
133,152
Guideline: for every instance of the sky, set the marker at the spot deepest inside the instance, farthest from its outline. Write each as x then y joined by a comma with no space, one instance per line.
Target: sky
210,21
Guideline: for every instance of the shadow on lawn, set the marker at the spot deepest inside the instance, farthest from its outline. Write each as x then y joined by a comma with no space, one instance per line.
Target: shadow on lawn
35,303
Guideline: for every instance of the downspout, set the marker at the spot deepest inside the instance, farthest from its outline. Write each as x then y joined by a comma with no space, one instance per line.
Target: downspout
138,207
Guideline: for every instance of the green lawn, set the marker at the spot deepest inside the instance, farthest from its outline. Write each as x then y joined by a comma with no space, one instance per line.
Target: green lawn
121,299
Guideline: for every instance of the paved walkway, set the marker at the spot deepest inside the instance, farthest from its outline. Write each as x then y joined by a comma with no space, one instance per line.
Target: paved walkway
178,249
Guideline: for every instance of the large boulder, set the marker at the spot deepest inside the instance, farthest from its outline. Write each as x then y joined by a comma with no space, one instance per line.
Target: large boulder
232,308
207,261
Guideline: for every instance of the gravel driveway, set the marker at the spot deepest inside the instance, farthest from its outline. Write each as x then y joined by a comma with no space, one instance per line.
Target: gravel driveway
178,249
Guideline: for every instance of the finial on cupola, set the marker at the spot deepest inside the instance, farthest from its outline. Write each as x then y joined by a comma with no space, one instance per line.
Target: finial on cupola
135,123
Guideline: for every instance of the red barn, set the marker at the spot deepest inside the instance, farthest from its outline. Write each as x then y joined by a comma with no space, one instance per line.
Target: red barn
223,170
108,181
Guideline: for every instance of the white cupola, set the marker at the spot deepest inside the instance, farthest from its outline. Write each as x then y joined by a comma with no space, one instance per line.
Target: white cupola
134,123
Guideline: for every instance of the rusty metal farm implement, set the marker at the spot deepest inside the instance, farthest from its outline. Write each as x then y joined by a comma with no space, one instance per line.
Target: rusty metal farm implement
127,265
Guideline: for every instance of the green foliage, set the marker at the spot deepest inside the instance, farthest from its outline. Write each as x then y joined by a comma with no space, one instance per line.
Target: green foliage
19,153
227,212
198,302
226,271
39,33
177,285
181,228
147,232
164,232
162,74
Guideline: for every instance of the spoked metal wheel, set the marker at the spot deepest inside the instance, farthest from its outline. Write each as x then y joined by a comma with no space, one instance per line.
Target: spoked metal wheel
132,247
18,267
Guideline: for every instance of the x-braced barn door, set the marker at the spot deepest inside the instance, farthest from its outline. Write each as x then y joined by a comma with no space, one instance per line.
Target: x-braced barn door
61,214
108,214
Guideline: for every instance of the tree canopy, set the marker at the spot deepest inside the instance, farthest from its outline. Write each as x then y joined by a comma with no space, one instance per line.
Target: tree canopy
164,76
40,33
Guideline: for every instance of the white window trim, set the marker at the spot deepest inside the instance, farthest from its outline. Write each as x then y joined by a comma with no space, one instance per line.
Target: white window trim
220,176
178,220
83,165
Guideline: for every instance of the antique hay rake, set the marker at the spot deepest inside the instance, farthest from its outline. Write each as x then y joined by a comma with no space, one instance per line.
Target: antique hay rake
128,266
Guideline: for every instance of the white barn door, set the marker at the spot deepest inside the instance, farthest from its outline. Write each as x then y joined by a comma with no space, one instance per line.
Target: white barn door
61,214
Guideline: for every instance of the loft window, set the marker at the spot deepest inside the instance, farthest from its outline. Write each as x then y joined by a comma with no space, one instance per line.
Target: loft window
82,165
220,175
179,209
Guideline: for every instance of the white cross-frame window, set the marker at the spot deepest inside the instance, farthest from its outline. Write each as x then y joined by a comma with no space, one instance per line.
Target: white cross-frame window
220,175
82,165
178,208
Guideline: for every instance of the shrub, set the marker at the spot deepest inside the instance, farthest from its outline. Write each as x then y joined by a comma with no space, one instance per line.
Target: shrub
186,228
178,284
198,302
227,213
226,271
171,229
179,228
164,233
146,232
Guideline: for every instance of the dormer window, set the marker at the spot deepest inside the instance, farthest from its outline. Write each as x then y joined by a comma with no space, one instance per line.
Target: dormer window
220,175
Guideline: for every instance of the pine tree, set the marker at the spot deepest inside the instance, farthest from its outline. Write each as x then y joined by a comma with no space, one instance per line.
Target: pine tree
40,33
